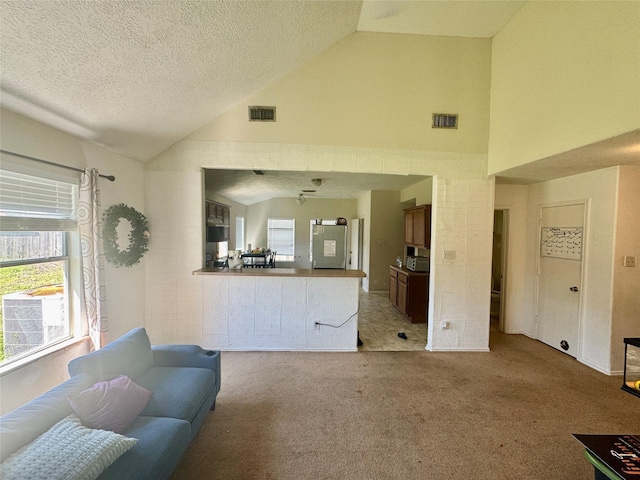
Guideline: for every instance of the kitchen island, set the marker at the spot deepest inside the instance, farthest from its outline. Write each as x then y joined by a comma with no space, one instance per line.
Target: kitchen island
280,309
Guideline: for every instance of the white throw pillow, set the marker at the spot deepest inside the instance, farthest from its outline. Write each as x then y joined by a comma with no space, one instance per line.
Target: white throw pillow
68,450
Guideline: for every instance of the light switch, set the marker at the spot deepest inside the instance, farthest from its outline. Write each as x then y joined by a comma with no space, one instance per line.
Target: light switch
449,255
629,261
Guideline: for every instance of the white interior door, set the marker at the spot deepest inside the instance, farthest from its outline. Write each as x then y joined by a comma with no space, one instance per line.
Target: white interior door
559,276
354,249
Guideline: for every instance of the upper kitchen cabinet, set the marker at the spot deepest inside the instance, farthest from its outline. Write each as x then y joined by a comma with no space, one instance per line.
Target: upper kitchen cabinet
217,214
217,222
417,226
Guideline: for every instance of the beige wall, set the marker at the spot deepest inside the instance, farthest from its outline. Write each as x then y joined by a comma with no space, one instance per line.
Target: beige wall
514,199
125,287
420,193
386,237
626,280
374,90
258,214
564,75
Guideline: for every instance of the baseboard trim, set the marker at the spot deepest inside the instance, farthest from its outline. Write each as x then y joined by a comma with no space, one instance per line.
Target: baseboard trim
598,368
457,349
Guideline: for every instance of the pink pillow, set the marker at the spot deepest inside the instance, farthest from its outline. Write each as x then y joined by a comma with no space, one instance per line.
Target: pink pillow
110,405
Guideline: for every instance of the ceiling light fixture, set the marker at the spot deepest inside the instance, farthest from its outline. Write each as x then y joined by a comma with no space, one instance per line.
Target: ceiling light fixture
316,181
301,199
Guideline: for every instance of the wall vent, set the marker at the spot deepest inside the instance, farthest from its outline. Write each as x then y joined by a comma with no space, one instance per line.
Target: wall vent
262,114
445,120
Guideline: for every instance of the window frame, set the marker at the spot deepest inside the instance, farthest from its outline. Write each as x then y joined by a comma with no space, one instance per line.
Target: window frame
71,271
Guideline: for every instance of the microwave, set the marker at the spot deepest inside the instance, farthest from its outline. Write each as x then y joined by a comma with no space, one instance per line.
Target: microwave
418,264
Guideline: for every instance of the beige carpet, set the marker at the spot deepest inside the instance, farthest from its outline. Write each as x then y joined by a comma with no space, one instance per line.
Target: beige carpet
508,414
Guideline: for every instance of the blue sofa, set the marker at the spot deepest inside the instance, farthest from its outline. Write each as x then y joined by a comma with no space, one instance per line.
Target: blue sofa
184,379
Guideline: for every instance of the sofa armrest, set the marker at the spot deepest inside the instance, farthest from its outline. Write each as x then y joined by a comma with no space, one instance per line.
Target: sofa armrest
187,356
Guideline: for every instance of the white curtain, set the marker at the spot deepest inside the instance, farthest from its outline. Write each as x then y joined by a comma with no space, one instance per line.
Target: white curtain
90,222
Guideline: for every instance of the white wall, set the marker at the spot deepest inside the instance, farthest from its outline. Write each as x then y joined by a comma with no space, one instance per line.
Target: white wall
467,209
459,289
175,208
125,286
599,189
364,212
328,208
559,69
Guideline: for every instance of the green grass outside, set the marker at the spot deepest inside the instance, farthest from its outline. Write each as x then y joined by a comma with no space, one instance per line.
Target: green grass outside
26,277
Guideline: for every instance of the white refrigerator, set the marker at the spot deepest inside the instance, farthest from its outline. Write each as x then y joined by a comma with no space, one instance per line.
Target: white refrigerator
329,246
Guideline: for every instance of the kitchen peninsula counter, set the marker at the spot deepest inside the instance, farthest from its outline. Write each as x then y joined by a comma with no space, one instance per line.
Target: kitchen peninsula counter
281,272
279,309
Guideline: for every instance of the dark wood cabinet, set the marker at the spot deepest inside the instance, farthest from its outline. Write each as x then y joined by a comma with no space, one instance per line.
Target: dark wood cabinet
403,290
217,214
417,226
393,287
217,218
409,293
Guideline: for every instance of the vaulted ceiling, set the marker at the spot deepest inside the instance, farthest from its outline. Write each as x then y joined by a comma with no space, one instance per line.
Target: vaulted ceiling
139,75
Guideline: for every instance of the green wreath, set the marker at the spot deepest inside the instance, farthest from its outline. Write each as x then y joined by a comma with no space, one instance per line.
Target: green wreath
138,237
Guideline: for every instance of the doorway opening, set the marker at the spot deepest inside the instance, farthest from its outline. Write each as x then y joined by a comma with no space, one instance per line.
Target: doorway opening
498,270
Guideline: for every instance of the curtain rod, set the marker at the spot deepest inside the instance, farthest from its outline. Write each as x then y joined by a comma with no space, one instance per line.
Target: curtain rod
111,178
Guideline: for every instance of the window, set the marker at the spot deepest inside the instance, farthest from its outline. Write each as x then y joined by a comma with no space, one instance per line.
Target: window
240,233
281,237
37,217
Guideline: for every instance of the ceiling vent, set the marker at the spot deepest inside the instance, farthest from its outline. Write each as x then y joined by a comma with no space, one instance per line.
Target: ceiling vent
445,120
262,114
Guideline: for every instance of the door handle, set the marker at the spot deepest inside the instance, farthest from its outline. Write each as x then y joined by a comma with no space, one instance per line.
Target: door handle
574,289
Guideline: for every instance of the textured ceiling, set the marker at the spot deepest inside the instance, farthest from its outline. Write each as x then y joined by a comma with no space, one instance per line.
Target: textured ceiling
137,75
246,187
449,18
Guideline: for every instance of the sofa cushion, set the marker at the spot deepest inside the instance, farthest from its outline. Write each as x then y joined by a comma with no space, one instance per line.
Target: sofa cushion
110,405
178,392
67,450
161,444
23,425
129,355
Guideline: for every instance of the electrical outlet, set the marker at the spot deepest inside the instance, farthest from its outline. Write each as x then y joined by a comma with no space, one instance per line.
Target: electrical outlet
629,261
316,326
449,255
444,325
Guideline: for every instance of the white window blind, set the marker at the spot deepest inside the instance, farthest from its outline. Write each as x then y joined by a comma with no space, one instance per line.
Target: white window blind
30,203
240,233
281,237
